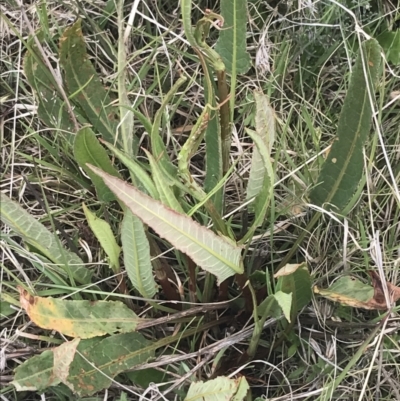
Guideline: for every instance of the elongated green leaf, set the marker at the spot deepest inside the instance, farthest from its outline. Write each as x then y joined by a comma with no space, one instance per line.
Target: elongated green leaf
84,319
265,129
87,149
126,127
219,389
231,44
88,368
84,84
213,154
39,237
265,195
142,180
104,234
343,167
137,258
51,108
214,254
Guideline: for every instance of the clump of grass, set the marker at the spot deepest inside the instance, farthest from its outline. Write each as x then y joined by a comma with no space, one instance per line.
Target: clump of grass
307,54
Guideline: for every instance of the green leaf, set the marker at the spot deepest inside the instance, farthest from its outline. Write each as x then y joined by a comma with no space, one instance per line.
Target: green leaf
214,254
220,389
52,110
6,309
84,85
390,42
231,47
137,258
39,237
295,279
231,44
352,292
36,373
284,301
127,125
85,366
105,236
87,149
344,165
102,360
265,129
213,156
350,287
145,377
142,180
243,389
84,319
265,195
269,307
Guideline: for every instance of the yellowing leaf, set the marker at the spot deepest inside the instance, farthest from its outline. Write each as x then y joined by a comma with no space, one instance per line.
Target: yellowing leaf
352,292
219,389
288,269
84,319
63,357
